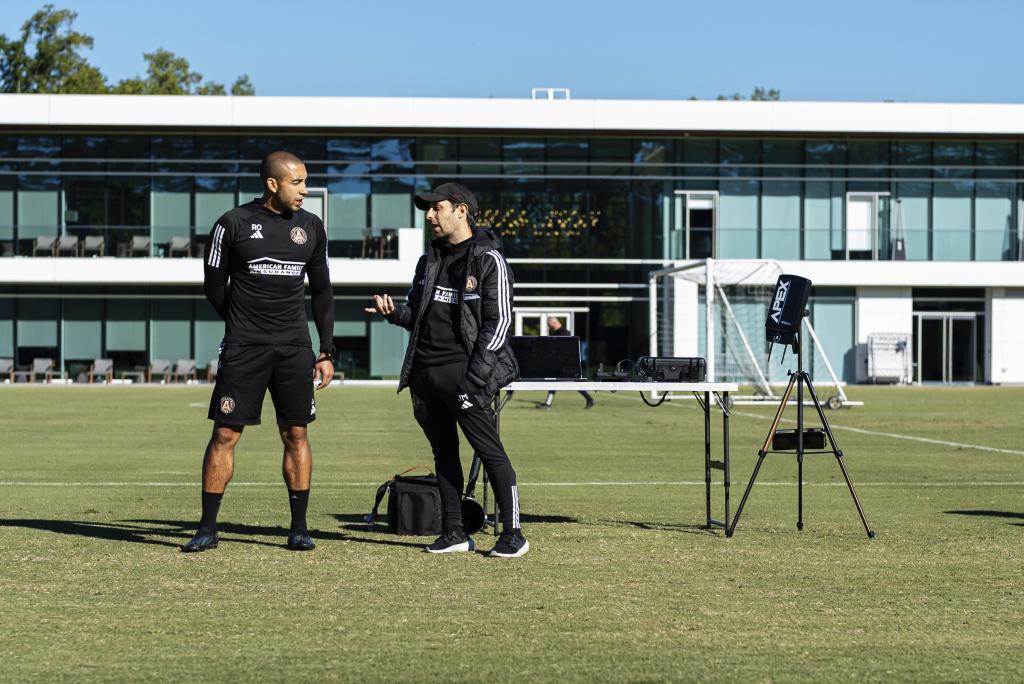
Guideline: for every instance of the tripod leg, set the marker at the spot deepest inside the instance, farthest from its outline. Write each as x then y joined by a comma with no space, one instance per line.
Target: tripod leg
800,450
761,454
839,459
750,485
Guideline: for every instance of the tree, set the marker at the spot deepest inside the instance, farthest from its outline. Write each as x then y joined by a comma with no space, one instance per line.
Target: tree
47,57
760,94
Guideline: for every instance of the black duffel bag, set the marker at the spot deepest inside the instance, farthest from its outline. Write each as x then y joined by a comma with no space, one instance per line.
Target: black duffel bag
414,504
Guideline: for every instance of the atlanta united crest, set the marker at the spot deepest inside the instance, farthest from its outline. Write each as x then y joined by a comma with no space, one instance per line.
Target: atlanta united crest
227,404
470,283
298,236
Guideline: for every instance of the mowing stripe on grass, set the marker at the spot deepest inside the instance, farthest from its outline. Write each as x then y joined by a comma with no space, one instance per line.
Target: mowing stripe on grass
873,433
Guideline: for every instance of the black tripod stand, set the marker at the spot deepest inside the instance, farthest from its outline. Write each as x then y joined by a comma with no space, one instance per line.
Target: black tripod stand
800,378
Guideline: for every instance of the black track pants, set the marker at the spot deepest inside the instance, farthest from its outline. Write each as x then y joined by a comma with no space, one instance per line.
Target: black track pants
440,401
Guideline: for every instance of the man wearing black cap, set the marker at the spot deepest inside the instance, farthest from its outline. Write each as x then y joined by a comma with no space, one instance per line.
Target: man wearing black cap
459,311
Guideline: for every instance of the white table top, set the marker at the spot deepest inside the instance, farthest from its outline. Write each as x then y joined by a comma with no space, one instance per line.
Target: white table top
591,386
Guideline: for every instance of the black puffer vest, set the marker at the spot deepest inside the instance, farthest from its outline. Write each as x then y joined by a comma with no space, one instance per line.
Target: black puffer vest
486,312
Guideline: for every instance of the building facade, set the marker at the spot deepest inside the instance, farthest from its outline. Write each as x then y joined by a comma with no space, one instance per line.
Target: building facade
907,217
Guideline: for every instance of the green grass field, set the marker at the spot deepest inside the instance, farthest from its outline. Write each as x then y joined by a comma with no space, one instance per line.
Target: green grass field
100,487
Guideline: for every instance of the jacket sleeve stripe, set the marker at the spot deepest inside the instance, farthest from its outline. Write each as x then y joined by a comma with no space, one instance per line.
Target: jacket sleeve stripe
504,303
218,236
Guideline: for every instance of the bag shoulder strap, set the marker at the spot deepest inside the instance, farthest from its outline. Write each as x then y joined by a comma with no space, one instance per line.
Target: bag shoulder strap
371,517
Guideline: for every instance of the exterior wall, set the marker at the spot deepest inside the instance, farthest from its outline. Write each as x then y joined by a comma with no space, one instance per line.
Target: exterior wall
881,310
1006,335
588,196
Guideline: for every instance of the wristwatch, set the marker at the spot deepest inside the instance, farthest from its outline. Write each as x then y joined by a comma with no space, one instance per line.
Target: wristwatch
325,356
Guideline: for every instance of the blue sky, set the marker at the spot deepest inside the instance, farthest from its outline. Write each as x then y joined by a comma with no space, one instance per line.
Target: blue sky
923,51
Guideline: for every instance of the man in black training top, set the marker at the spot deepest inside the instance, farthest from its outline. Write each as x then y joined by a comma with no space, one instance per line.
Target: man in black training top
459,312
556,329
256,265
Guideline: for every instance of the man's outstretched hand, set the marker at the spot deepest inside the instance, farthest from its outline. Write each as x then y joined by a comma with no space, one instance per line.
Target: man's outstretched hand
383,305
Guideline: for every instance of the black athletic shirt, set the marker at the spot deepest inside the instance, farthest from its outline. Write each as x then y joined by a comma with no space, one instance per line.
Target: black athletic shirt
255,272
439,340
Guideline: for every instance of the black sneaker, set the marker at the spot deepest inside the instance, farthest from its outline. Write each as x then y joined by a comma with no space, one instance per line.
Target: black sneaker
511,544
453,541
589,404
300,541
203,540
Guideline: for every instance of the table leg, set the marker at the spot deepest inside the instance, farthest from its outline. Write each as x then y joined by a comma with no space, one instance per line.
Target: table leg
707,457
725,451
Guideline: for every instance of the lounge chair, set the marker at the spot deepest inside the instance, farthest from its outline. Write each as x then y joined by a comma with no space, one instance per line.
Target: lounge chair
185,369
179,245
45,244
103,368
7,370
92,244
211,371
159,369
42,367
138,246
67,245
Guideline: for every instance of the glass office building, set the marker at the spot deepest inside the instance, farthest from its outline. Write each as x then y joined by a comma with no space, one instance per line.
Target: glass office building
586,211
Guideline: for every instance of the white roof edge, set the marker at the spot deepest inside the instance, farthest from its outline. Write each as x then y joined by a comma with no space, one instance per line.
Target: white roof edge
422,113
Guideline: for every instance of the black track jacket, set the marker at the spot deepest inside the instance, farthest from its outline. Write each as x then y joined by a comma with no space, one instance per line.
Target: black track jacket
485,307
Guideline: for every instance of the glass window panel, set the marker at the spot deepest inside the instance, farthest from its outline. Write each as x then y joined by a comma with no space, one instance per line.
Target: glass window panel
38,212
737,234
349,318
868,159
128,201
387,348
563,152
37,322
252,149
780,219
390,210
610,156
817,220
915,201
7,328
208,333
171,211
993,222
126,324
210,206
170,329
83,329
346,215
951,220
735,155
479,156
6,207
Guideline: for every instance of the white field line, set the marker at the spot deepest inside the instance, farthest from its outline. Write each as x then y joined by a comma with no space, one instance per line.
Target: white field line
625,483
873,433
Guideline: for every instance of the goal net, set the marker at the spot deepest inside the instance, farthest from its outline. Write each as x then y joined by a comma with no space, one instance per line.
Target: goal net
716,309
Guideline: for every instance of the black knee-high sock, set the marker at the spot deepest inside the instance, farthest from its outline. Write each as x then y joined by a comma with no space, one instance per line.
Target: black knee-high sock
299,501
211,506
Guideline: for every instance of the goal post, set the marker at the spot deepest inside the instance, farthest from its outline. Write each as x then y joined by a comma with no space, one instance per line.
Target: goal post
716,309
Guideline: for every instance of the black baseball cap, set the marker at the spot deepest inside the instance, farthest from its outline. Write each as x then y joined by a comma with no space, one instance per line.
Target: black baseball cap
456,193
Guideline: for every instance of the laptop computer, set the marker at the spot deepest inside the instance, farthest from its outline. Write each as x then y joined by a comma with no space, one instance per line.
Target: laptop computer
547,358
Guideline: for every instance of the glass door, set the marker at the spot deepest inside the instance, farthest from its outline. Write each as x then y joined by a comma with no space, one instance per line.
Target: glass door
695,221
946,348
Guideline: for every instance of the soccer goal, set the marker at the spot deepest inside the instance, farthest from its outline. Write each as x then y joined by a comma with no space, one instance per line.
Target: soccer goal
717,309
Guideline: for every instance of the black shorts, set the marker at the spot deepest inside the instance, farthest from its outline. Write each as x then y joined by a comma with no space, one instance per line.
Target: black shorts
245,374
